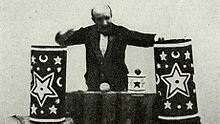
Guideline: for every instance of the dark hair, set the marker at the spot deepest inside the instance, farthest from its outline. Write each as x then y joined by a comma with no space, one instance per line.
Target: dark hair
108,7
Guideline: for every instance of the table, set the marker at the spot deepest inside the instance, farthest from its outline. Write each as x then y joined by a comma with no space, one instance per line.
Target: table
111,107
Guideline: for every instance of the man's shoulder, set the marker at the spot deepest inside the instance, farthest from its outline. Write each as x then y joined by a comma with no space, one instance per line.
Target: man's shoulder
119,27
120,30
87,28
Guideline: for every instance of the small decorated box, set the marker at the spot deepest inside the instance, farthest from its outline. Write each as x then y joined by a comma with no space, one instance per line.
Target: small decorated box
136,83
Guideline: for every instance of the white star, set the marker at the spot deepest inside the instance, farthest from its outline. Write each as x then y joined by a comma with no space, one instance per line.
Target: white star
184,66
57,101
176,82
43,88
166,66
187,55
167,105
158,65
53,109
33,59
33,109
163,56
57,60
189,105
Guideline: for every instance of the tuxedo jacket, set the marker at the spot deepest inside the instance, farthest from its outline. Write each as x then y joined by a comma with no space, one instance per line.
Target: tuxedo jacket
110,67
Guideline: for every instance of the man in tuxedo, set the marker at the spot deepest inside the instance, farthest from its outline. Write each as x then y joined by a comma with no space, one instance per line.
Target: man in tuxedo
105,45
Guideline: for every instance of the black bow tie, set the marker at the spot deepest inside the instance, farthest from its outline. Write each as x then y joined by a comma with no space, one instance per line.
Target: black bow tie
105,30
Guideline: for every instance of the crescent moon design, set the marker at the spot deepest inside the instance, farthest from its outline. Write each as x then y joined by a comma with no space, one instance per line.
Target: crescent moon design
157,79
159,93
175,56
43,60
58,82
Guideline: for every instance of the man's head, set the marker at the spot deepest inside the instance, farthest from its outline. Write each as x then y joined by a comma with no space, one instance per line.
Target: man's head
102,16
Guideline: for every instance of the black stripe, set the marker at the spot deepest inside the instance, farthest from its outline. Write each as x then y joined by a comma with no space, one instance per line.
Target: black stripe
172,41
38,46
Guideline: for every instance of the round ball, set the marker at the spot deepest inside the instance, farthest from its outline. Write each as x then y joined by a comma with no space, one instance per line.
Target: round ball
137,71
104,87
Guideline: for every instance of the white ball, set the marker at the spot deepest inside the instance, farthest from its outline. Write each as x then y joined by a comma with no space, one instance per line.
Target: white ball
104,87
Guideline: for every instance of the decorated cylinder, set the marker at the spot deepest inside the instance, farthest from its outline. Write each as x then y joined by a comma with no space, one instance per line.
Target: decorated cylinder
174,80
48,85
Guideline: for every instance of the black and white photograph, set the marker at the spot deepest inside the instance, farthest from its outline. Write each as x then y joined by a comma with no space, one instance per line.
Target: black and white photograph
109,62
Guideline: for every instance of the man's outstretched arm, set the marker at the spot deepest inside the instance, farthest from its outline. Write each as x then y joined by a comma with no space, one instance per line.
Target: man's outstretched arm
71,37
135,38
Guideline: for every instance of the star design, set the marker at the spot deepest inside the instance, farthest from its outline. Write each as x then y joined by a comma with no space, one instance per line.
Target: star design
184,66
137,84
163,56
167,105
33,59
189,105
57,101
176,82
53,109
57,60
158,65
42,88
187,55
33,109
166,66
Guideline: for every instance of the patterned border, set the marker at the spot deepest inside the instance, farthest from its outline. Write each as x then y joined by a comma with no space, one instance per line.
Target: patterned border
47,120
173,45
48,49
178,117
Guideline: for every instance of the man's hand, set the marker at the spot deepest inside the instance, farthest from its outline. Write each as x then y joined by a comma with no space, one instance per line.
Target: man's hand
61,37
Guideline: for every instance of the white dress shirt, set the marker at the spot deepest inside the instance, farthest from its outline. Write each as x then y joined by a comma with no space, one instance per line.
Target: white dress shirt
103,43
